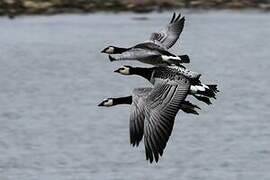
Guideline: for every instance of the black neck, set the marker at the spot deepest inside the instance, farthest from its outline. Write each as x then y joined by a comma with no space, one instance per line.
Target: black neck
119,50
123,100
144,72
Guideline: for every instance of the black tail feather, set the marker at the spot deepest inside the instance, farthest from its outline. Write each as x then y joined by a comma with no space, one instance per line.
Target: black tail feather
203,99
184,58
190,111
213,87
188,107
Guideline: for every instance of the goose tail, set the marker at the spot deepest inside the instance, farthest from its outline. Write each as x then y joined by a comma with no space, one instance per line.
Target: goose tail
205,90
203,99
184,58
189,108
213,87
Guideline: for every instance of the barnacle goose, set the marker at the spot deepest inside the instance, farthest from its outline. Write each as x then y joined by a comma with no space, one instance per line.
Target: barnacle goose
137,115
153,113
200,91
155,50
136,100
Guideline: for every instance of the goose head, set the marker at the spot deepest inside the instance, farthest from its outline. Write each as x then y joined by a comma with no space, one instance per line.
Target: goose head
107,102
124,70
109,50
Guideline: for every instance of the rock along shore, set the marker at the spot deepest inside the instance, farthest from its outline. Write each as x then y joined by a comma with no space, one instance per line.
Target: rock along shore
18,7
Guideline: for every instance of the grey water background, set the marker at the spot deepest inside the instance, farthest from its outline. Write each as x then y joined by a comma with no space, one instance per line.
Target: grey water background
52,76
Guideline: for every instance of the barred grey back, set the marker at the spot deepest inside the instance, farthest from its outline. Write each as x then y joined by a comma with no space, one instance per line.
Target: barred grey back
165,72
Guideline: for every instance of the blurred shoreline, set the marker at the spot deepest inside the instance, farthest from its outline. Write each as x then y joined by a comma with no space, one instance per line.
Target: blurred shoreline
14,8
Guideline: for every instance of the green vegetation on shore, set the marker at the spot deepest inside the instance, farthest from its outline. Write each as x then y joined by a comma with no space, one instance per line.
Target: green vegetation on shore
17,7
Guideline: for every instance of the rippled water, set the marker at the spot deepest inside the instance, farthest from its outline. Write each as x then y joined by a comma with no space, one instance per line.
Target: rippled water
52,77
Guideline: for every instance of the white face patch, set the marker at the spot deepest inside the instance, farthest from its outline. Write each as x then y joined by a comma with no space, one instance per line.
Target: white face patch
124,71
108,103
110,50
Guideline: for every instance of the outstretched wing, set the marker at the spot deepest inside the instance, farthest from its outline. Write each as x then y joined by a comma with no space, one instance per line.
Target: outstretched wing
161,107
170,34
137,115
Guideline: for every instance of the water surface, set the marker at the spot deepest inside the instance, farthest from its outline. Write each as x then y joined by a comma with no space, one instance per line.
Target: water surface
52,76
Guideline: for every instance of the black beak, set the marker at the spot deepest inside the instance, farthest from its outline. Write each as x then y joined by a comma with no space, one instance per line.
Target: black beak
117,71
100,104
103,51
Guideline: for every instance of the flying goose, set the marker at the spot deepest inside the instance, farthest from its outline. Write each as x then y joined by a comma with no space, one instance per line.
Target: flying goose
155,110
155,50
200,91
136,100
137,115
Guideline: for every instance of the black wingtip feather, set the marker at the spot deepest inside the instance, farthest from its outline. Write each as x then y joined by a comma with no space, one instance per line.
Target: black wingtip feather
182,20
148,153
172,20
156,157
154,147
177,18
161,153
